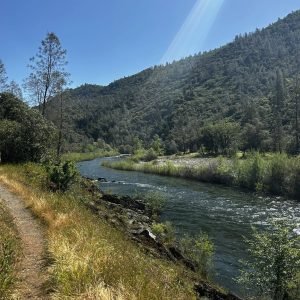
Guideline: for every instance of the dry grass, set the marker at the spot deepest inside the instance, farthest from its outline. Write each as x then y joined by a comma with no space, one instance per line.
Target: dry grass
9,253
89,258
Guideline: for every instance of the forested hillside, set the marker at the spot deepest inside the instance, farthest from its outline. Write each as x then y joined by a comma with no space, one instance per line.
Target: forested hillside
250,82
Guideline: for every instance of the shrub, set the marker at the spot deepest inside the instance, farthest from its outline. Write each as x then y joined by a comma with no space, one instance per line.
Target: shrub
61,175
200,250
24,134
293,178
273,270
164,232
250,172
149,155
155,202
278,169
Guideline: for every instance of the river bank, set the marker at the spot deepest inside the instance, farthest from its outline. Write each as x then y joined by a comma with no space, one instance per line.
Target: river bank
225,214
275,174
89,253
82,156
131,216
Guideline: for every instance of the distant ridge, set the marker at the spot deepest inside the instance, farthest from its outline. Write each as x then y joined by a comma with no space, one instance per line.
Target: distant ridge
176,100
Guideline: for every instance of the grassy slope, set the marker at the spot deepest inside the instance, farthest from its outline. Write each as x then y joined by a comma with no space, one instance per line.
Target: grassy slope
9,252
89,258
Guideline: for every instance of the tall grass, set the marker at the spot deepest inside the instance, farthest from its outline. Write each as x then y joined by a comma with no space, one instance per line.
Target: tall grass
9,252
91,259
81,156
276,174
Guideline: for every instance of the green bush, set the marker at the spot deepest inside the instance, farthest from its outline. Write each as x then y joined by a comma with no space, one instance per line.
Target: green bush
62,175
295,181
277,174
155,202
24,134
250,172
149,155
200,250
273,271
164,231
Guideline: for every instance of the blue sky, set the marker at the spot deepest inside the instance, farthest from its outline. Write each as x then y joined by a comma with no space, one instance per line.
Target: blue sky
109,39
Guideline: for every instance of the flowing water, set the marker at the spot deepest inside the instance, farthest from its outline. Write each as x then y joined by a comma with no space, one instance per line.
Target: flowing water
224,213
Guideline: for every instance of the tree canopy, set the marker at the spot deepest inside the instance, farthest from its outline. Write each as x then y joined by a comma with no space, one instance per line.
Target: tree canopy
241,82
24,134
47,71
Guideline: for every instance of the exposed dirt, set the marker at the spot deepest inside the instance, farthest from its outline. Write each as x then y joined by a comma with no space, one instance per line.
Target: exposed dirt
31,268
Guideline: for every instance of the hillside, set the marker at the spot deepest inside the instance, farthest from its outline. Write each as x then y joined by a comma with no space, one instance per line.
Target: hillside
174,101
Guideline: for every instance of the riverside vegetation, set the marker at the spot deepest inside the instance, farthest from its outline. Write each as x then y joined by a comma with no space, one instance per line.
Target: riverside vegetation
276,174
251,85
88,257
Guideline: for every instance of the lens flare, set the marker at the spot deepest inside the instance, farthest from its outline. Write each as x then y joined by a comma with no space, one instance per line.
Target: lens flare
194,30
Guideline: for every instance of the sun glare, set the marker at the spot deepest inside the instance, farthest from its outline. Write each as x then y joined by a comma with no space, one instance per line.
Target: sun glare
193,32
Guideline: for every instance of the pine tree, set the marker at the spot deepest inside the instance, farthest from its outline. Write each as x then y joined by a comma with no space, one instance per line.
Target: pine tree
277,111
3,77
47,71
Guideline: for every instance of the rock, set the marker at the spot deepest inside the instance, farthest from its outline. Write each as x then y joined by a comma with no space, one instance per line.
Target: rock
125,201
205,290
102,179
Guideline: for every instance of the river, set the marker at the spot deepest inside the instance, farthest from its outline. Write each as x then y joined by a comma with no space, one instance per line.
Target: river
224,213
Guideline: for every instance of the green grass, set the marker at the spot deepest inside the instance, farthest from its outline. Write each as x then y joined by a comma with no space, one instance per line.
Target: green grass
9,251
90,258
81,156
276,174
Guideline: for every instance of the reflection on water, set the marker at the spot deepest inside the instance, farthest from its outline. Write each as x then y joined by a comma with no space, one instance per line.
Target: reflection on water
225,214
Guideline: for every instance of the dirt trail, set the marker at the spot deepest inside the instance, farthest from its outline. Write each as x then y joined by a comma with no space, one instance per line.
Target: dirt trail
31,274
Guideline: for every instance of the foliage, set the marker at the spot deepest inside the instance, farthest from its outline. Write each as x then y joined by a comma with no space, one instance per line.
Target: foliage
157,145
3,77
62,175
278,171
165,232
251,172
79,156
200,250
155,202
24,134
276,174
150,155
48,75
220,138
176,101
90,258
14,88
272,272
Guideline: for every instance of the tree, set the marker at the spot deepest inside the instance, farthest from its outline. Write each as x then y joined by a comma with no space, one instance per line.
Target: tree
3,77
60,88
14,89
24,134
277,111
274,269
297,104
157,145
47,71
221,137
